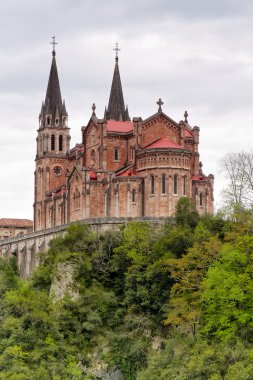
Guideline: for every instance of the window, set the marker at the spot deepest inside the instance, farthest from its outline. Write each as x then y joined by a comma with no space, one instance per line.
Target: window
131,153
201,199
152,184
133,195
60,143
175,183
93,157
52,142
57,171
48,121
163,184
116,154
184,185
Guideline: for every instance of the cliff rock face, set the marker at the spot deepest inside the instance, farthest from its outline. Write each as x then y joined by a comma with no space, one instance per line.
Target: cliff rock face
100,370
64,283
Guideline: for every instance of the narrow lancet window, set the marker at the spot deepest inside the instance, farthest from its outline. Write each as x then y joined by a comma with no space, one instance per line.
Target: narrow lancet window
184,185
133,196
175,183
116,154
163,184
52,142
152,184
60,143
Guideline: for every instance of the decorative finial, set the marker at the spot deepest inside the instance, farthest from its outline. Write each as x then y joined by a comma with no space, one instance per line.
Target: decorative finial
185,116
160,103
93,109
117,49
53,43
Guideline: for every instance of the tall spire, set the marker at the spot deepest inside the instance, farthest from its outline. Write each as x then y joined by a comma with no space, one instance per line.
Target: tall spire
53,110
116,107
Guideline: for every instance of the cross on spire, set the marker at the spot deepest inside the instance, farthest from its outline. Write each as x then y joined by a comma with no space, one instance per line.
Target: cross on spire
160,103
117,49
53,43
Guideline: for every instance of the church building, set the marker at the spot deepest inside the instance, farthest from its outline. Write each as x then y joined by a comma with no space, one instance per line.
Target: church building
122,167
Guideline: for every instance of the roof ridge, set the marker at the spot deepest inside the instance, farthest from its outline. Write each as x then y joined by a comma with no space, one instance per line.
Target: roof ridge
124,169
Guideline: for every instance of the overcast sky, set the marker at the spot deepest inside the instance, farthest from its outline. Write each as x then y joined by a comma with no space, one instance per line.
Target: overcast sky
196,55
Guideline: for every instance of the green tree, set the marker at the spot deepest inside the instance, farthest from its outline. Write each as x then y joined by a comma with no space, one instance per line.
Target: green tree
187,273
227,299
186,214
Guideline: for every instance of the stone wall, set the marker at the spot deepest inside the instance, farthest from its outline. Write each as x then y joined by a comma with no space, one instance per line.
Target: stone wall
27,247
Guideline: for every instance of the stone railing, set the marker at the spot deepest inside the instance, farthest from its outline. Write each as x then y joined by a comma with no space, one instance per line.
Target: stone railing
27,247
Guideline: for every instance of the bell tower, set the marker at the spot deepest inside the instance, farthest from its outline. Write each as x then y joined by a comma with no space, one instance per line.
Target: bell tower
53,145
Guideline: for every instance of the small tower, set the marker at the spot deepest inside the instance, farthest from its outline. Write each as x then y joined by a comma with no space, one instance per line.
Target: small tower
116,109
53,142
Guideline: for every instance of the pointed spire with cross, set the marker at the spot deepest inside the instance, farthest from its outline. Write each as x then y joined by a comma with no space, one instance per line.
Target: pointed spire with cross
160,103
53,43
117,49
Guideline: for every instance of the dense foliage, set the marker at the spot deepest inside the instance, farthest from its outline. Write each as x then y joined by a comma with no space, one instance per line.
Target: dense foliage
167,302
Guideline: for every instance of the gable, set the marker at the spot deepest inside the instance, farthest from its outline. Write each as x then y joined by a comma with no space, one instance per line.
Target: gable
75,176
159,126
91,135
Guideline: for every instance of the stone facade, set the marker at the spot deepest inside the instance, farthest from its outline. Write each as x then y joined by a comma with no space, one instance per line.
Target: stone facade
122,167
14,227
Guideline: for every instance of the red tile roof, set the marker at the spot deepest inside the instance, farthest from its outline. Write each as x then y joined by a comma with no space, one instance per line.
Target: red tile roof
78,148
126,173
163,143
93,175
119,126
6,222
188,133
198,178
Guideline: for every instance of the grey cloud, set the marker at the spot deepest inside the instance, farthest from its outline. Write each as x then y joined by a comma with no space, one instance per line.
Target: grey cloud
196,55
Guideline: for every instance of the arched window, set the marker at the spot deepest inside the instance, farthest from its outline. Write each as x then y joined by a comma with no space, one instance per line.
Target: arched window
152,184
133,195
163,184
116,154
52,142
131,153
184,185
175,183
48,120
60,143
201,199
